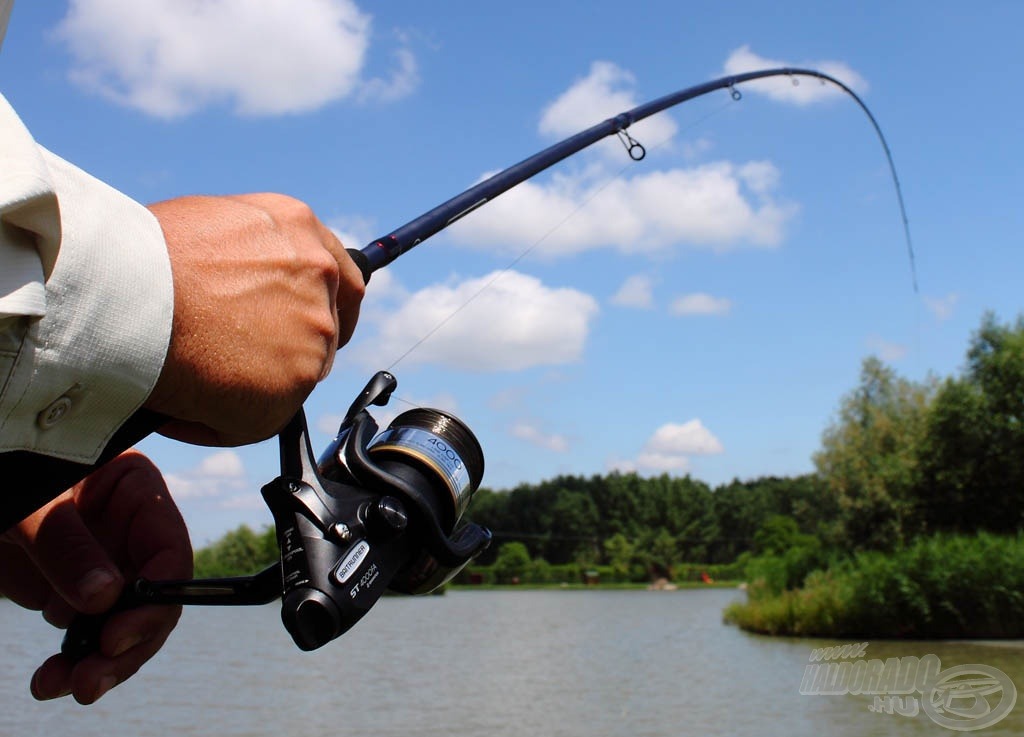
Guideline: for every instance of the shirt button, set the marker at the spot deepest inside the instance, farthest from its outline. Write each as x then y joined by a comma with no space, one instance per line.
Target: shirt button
53,414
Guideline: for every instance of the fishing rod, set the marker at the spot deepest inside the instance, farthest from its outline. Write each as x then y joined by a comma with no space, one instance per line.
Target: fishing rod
383,251
377,510
51,476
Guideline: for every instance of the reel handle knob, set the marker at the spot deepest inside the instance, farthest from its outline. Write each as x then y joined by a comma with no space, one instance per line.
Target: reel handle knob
82,637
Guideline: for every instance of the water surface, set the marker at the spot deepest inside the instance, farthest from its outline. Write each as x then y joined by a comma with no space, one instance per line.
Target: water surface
483,663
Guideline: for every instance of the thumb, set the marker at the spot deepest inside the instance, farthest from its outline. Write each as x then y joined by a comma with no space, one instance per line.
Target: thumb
67,554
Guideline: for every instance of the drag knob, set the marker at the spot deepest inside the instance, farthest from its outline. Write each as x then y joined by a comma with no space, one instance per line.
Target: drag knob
386,519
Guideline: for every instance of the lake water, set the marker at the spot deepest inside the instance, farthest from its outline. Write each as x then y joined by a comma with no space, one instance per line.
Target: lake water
483,663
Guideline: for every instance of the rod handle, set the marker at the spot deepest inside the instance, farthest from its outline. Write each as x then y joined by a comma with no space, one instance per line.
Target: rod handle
362,261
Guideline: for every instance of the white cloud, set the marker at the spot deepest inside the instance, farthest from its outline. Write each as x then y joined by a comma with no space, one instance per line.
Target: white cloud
717,206
662,463
942,307
669,449
797,90
886,350
354,231
760,176
243,502
604,93
169,58
515,322
688,438
402,82
217,474
537,437
637,291
385,289
700,303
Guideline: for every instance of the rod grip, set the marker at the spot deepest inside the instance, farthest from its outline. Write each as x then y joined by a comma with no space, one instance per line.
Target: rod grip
362,261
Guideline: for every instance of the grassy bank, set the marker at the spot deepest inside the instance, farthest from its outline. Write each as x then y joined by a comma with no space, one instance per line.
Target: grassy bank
538,572
943,586
625,586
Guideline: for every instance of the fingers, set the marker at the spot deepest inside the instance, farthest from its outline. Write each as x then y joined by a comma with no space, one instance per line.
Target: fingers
66,553
22,583
127,503
347,293
20,580
129,639
350,295
350,288
53,679
122,520
124,507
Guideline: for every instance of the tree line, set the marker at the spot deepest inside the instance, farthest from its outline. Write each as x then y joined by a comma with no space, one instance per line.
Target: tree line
657,523
900,460
647,526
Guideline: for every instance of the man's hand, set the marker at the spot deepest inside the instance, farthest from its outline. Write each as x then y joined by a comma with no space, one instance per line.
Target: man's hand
75,554
264,295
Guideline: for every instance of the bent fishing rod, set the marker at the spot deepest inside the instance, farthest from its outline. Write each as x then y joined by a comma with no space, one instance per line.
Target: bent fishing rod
383,251
377,510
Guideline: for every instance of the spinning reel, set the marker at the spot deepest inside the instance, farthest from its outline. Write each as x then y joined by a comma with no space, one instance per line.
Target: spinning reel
377,511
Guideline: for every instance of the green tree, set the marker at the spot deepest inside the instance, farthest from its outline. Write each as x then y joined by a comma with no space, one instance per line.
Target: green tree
777,535
868,461
573,527
540,571
972,462
512,563
239,552
740,508
686,510
785,556
616,497
620,553
663,553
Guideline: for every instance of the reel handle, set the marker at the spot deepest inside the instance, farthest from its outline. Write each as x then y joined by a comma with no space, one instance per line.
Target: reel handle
82,637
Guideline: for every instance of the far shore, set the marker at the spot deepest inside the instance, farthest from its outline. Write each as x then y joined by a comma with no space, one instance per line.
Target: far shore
679,586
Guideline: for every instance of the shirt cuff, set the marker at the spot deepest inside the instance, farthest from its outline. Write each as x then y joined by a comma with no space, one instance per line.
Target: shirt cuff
92,360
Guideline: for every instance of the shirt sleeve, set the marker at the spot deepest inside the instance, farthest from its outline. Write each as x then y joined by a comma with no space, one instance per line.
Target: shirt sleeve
86,302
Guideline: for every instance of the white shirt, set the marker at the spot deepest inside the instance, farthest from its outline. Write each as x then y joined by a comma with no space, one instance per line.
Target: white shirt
86,300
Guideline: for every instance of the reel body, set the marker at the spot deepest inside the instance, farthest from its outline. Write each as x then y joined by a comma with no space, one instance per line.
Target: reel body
376,512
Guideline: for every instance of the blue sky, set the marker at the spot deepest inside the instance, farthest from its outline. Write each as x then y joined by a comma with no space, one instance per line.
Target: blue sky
702,311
